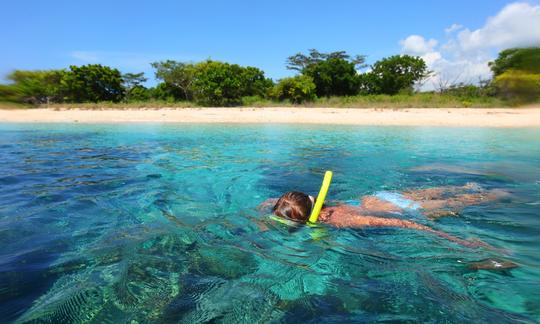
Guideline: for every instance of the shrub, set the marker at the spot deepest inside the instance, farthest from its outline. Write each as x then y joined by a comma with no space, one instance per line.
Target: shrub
522,59
9,93
37,87
297,89
518,86
164,92
333,77
394,74
93,83
137,93
223,84
178,77
334,74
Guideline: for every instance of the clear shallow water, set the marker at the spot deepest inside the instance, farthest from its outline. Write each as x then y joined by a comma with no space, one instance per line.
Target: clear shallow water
153,223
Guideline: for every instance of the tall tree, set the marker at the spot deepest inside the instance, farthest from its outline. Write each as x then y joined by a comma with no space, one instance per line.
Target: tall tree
38,87
132,80
301,61
133,83
93,83
223,84
522,59
334,73
176,74
393,74
254,82
334,76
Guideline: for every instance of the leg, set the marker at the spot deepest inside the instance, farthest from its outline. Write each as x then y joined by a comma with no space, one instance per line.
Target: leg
449,201
439,193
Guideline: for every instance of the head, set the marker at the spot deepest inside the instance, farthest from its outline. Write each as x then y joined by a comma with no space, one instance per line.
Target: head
295,206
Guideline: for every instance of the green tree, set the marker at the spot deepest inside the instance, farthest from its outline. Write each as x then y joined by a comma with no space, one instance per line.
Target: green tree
334,74
177,75
522,59
518,86
134,90
333,77
165,92
93,83
394,74
255,83
223,84
131,80
296,89
8,93
137,93
37,87
301,61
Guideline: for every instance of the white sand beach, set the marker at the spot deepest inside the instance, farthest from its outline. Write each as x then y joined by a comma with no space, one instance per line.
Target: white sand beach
454,117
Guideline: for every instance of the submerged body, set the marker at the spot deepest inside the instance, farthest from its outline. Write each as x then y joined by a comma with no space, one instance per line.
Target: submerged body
379,210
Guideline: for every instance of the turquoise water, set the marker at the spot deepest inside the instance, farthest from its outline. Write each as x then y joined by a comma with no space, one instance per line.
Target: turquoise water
155,223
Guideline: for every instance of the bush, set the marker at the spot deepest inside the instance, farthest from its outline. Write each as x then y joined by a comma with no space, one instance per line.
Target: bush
165,92
93,83
137,93
393,75
297,89
333,77
37,87
518,86
256,101
178,77
470,90
334,74
9,93
521,59
223,84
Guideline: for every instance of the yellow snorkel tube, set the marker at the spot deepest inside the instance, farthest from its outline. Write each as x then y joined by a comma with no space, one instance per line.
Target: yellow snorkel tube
321,197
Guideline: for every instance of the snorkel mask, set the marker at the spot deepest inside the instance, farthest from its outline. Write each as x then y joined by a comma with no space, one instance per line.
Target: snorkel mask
317,233
316,204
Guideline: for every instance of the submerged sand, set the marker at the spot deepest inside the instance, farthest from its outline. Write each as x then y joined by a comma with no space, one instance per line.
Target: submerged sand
457,117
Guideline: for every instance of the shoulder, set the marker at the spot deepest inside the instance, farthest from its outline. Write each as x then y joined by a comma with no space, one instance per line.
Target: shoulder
335,214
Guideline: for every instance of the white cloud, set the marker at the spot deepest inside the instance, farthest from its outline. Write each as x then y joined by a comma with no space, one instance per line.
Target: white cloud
517,24
465,55
453,28
432,57
417,45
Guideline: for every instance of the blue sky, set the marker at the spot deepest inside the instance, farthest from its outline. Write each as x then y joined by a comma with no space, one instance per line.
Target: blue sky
129,35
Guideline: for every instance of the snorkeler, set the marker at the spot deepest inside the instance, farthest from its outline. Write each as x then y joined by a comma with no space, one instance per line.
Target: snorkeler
370,211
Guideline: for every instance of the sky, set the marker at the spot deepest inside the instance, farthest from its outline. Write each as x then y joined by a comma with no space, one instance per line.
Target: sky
456,38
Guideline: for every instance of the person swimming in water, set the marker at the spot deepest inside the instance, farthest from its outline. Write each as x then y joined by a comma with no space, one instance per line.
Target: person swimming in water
374,210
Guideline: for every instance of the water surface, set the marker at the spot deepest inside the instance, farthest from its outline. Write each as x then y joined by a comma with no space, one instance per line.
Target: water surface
159,223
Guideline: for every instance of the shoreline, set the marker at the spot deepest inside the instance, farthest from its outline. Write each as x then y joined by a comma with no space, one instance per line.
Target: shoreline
451,117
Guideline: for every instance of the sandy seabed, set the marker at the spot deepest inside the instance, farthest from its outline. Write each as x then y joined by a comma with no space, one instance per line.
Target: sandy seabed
455,117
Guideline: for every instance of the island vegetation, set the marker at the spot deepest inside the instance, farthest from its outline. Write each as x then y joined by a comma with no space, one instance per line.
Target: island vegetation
334,79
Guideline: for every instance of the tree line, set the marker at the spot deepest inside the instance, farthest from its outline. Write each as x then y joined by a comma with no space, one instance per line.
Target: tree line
215,83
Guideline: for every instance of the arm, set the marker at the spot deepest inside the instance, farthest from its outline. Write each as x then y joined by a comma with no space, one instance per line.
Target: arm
394,222
345,216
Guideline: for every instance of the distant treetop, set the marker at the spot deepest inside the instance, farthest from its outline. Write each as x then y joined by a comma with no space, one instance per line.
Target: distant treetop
523,59
301,61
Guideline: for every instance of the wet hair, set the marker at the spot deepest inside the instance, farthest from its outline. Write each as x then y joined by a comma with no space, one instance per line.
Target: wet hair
293,205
